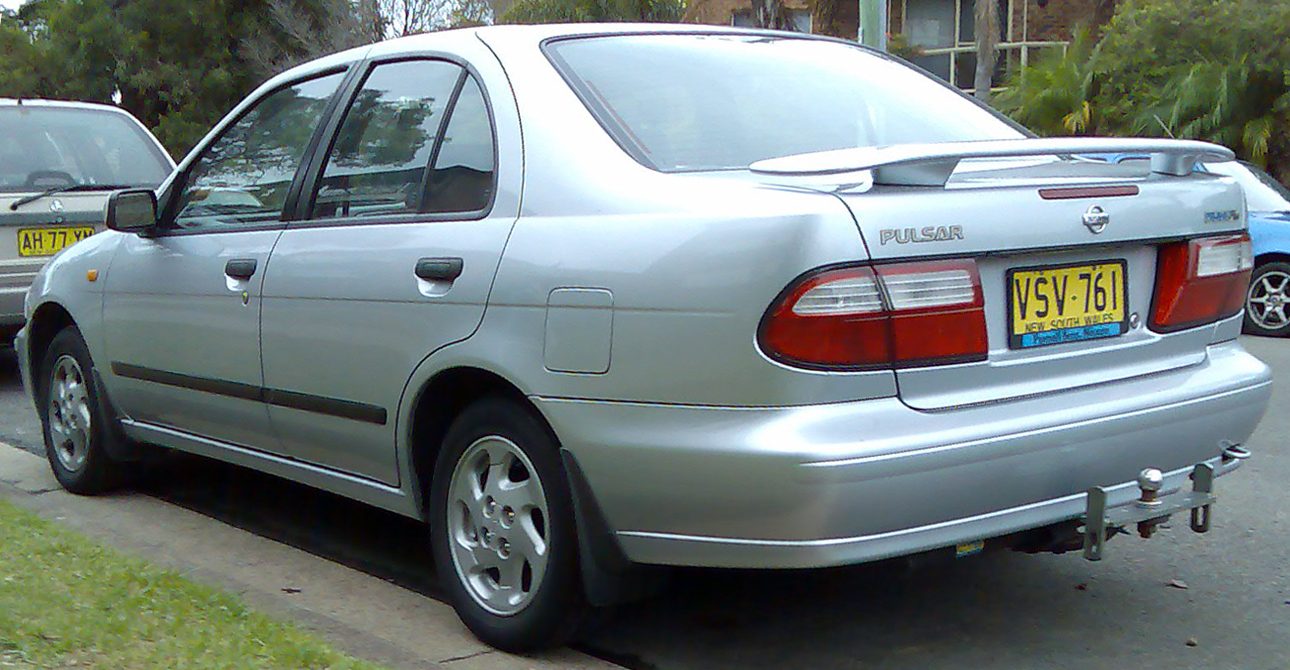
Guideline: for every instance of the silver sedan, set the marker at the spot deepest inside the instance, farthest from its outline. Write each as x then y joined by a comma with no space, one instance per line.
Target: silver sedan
593,298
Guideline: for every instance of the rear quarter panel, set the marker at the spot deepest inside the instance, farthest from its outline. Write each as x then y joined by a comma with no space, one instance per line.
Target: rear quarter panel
685,265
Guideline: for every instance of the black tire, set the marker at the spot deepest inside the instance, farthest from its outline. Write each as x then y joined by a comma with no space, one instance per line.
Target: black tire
1267,302
482,556
74,420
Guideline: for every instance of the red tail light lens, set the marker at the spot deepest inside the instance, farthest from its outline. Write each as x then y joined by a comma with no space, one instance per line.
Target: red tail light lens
1200,281
903,315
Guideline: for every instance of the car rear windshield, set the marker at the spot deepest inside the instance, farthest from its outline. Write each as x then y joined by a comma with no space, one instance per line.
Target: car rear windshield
710,102
43,147
1262,192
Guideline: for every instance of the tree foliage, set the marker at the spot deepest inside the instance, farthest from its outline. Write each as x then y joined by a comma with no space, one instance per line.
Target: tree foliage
1217,70
584,11
178,65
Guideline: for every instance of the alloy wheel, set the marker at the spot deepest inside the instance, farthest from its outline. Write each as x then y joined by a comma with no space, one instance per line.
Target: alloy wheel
1268,298
70,417
498,525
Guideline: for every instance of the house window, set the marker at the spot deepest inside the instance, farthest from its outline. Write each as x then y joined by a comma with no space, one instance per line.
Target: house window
940,24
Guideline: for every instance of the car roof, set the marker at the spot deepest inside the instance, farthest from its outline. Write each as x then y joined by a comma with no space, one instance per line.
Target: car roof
59,104
512,35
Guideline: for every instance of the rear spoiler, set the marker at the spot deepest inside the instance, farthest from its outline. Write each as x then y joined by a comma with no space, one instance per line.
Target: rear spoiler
932,164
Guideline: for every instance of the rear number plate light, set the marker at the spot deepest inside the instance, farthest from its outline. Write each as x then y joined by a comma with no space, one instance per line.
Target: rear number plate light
1066,303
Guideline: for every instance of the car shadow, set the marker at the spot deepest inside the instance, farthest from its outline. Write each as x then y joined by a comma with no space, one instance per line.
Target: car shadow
697,608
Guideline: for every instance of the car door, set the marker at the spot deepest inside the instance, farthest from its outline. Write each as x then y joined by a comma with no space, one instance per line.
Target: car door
394,260
182,307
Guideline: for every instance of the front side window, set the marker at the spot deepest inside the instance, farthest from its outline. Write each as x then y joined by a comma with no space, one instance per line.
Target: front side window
401,150
681,103
242,178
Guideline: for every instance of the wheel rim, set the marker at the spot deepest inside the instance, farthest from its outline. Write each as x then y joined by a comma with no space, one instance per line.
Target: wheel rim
1268,299
498,525
70,419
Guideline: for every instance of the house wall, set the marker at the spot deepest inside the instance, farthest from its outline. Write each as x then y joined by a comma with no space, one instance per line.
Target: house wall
720,12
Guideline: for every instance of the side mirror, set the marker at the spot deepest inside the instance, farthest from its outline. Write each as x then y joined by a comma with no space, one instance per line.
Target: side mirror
132,211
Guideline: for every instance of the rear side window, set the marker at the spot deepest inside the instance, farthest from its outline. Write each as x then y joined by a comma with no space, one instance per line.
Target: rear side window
462,177
45,147
242,179
415,139
719,102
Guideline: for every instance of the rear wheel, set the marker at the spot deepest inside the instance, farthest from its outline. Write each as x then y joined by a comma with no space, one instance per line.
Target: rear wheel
1267,303
502,528
74,419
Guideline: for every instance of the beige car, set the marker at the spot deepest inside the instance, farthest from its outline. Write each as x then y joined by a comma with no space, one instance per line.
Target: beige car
59,161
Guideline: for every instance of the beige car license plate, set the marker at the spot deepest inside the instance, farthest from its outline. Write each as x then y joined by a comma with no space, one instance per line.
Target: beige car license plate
1069,303
49,241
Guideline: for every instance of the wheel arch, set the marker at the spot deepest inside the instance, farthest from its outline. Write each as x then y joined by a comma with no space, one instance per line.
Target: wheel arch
438,401
1271,257
47,321
608,576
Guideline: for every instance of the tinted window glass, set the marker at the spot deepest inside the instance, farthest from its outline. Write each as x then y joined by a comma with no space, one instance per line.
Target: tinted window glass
377,165
46,147
243,177
696,102
462,179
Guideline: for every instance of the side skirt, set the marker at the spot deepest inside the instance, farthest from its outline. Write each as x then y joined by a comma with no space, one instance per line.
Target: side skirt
363,490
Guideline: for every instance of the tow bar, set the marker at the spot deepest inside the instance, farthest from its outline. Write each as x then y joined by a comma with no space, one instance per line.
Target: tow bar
1151,509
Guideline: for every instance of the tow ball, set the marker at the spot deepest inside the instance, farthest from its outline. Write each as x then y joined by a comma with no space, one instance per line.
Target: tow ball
1152,509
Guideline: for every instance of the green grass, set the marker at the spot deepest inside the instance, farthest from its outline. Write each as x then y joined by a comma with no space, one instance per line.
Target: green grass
66,601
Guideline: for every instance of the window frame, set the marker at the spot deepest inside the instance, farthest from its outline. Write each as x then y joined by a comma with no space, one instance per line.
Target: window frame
171,196
312,182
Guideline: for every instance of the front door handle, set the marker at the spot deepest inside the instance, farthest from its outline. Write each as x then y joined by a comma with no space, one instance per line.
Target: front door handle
240,268
438,269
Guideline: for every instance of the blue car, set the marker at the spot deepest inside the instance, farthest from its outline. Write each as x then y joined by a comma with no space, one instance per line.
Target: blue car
1268,203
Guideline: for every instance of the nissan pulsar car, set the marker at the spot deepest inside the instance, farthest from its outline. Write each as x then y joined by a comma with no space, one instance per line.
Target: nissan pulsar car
588,299
59,162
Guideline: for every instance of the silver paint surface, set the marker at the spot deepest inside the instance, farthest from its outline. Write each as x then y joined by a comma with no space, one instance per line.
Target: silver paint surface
625,304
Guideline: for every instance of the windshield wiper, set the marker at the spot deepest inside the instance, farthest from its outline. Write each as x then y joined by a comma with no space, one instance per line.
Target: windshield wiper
13,206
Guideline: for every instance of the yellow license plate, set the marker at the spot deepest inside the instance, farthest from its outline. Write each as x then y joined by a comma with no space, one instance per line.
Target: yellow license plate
49,241
1052,305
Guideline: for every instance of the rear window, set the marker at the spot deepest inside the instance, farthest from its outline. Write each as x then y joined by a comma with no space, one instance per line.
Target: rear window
1262,192
52,146
712,102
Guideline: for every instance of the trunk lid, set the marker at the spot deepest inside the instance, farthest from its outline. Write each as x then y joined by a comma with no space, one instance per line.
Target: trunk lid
1057,219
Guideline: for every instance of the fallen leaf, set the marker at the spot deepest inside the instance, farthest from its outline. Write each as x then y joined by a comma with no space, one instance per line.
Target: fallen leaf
292,589
1178,584
1082,586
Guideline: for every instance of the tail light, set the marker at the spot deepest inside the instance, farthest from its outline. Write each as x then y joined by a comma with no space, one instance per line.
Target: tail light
901,315
1200,281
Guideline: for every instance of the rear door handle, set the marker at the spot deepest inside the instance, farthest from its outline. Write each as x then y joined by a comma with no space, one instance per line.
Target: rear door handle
240,268
438,269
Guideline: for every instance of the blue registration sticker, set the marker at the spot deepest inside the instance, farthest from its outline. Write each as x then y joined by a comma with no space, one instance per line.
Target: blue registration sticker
1071,335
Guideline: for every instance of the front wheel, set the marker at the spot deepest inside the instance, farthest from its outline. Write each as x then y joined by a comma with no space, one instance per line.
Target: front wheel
1267,303
502,528
74,419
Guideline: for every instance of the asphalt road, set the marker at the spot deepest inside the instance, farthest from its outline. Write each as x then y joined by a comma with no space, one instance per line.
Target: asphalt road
1180,600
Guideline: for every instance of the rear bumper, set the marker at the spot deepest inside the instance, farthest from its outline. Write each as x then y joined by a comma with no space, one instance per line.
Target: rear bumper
853,482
